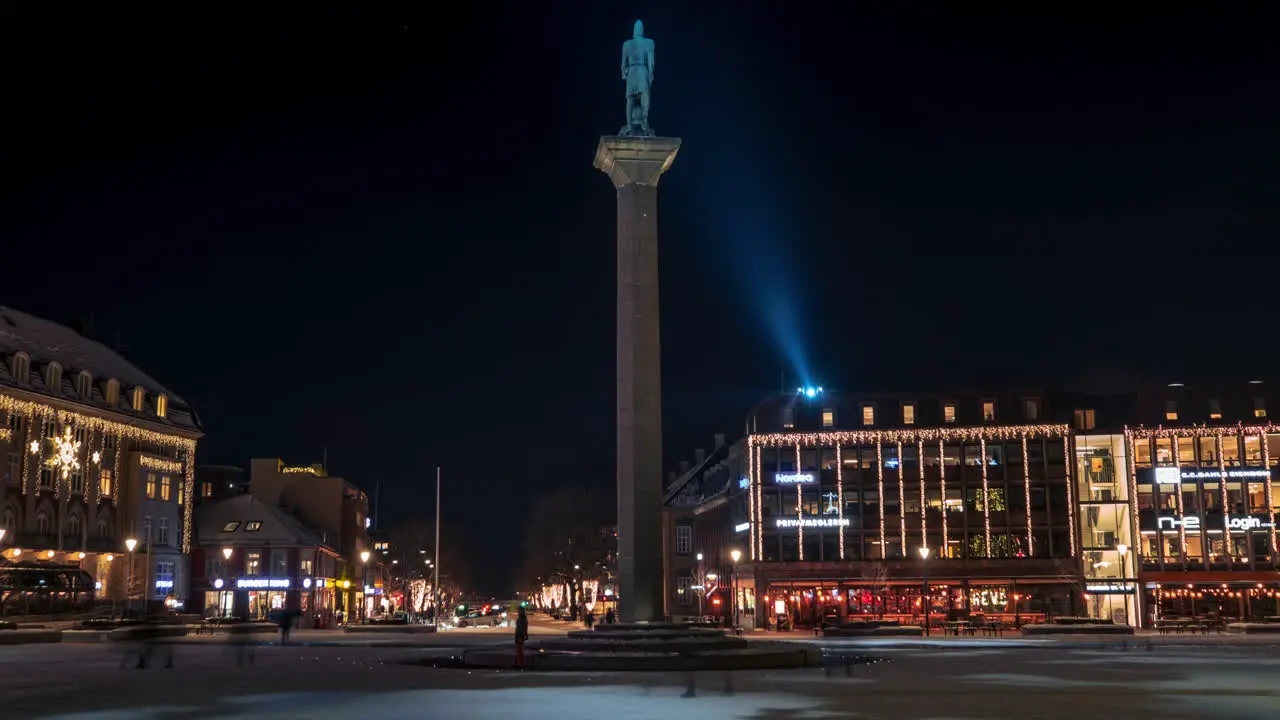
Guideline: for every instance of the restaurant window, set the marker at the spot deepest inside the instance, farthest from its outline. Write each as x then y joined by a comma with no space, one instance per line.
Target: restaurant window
1171,410
908,413
1215,409
868,414
828,418
1259,408
949,412
1084,419
1031,408
988,411
253,564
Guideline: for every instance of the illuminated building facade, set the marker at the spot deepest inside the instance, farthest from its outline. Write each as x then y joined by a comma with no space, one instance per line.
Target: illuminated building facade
95,453
1201,470
842,497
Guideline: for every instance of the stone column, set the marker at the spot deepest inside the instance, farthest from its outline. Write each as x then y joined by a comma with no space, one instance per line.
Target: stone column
635,164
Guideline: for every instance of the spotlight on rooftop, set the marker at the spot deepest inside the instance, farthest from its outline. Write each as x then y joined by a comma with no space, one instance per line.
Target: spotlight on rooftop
809,391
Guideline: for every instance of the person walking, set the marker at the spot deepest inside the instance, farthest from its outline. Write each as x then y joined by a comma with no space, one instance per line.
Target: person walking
609,617
522,634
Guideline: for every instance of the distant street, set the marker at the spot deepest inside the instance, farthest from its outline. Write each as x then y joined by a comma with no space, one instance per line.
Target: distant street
957,680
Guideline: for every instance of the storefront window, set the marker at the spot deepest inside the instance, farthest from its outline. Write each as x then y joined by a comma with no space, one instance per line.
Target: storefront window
1253,449
1231,449
1186,451
1208,451
1142,452
1164,451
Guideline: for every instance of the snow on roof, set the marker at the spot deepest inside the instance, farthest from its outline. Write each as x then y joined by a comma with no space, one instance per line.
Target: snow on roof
46,341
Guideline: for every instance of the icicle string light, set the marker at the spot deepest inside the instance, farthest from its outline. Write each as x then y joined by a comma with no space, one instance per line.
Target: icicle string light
840,492
1071,505
884,549
986,499
924,522
902,505
115,476
1227,542
867,437
1130,452
1026,491
751,504
942,479
759,503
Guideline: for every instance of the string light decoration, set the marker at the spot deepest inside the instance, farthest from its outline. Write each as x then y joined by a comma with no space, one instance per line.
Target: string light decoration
840,492
66,456
1026,491
1071,504
902,504
34,463
160,464
759,503
1271,508
924,524
1130,451
942,478
799,509
884,548
98,455
949,434
986,498
1227,544
751,503
1182,511
6,434
115,477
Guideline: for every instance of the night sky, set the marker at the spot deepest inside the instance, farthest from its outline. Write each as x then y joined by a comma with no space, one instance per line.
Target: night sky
379,232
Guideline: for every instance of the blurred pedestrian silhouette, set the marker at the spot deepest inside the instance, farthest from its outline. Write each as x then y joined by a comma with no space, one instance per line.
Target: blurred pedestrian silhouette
522,634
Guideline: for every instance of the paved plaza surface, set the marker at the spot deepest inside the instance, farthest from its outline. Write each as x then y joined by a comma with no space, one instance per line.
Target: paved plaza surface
934,681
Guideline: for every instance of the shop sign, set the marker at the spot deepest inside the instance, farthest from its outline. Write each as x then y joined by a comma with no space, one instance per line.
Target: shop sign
1192,522
1169,475
260,583
811,522
795,478
1109,588
742,527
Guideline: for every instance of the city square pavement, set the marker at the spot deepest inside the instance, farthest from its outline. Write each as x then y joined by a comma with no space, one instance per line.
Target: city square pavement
937,680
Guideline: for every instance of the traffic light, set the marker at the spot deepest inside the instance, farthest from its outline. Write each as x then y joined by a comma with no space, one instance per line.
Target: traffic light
524,603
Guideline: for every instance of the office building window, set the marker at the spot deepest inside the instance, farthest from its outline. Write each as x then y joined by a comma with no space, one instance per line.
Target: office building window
988,411
909,414
253,564
279,563
949,413
1171,410
828,418
206,489
1259,408
868,414
1031,408
1215,409
684,539
1084,419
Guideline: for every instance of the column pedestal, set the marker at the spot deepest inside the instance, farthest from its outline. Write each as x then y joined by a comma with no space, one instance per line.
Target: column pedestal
635,165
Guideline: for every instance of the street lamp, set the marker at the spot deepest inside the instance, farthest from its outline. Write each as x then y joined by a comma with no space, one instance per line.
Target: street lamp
364,581
129,545
734,557
924,595
1124,574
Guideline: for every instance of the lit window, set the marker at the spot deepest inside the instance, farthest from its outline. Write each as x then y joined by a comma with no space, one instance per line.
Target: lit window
988,411
113,392
104,483
53,378
1032,409
21,367
1084,419
684,539
84,384
1215,409
206,489
252,526
151,486
1259,408
1171,410
909,414
139,396
231,526
828,418
165,488
868,414
178,490
949,413
253,564
162,406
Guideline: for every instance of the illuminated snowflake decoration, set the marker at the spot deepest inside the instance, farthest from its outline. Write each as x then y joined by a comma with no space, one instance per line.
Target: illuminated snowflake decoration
66,453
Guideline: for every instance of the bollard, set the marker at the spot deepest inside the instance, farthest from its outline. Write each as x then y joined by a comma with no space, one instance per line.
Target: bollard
691,690
728,683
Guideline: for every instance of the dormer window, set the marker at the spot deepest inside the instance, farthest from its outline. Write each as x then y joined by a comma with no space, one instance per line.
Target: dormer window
113,392
53,377
139,398
84,384
21,367
162,405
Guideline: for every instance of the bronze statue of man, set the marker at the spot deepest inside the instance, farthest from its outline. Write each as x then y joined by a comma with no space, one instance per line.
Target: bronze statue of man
637,71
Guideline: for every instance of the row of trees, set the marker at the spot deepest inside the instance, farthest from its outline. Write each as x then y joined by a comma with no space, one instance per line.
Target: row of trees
569,537
409,563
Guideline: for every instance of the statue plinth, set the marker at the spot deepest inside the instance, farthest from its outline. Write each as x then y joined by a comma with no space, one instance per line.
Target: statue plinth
635,164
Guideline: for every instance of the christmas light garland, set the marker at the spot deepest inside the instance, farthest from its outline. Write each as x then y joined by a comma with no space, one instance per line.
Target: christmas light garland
902,505
101,455
160,464
759,503
884,549
986,499
1026,491
33,464
840,492
6,434
799,509
924,522
942,478
1130,452
1227,543
751,502
1071,504
115,477
1271,509
866,437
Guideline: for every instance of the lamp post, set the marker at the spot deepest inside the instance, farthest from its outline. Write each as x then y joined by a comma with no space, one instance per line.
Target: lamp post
226,574
734,556
1124,574
129,545
924,594
364,580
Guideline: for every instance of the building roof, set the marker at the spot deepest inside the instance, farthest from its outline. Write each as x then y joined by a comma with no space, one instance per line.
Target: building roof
277,526
45,342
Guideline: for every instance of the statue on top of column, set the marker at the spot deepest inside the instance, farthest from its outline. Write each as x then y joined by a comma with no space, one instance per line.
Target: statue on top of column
637,71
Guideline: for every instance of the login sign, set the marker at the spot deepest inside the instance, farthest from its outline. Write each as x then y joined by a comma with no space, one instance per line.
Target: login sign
796,478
